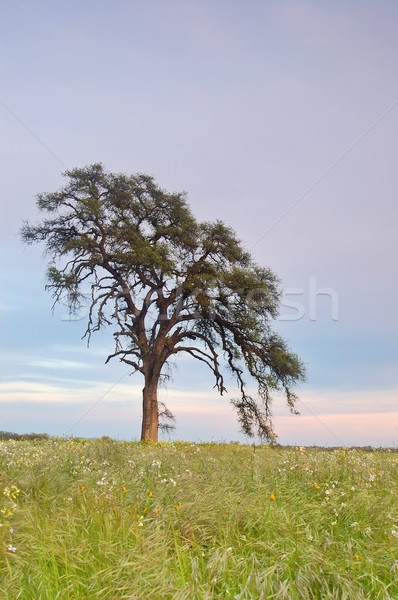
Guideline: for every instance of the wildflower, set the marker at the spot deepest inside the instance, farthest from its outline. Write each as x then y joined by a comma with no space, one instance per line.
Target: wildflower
176,507
11,492
227,512
354,524
11,548
11,530
133,517
272,497
157,511
83,488
150,494
249,509
356,557
124,490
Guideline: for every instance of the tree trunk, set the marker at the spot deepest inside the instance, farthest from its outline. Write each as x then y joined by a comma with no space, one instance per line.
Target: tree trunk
150,412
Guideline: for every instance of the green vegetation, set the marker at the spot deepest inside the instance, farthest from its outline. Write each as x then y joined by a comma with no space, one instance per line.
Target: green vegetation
167,285
9,435
113,520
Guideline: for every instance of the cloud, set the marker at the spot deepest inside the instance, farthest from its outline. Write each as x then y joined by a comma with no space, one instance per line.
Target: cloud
340,429
57,363
342,402
78,392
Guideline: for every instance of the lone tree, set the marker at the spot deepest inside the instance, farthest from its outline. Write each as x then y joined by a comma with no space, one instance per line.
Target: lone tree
167,284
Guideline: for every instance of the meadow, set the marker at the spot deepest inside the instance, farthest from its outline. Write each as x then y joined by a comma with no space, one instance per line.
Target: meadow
178,520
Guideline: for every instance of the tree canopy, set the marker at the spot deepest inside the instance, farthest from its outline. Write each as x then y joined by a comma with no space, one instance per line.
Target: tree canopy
167,284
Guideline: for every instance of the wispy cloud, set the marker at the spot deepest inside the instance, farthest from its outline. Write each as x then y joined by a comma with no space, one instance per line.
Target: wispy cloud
57,363
352,429
36,391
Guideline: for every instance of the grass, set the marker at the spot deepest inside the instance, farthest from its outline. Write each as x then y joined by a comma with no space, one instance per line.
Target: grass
116,520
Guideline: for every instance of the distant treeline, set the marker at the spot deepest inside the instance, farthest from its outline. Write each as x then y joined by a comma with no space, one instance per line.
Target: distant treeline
9,435
277,446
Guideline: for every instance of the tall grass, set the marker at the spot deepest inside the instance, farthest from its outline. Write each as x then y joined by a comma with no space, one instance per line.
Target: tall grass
115,520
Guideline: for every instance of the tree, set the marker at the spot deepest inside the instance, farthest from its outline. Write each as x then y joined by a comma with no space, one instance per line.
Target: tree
167,284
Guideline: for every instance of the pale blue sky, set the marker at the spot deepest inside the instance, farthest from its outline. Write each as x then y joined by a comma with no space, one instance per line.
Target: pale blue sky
251,107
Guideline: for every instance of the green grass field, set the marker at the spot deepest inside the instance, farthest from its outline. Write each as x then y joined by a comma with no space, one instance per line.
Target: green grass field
113,520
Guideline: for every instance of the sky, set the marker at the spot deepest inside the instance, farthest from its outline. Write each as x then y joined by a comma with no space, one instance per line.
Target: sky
278,117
